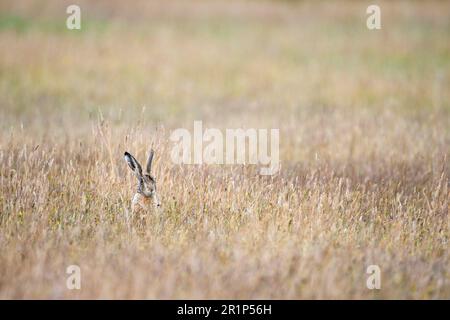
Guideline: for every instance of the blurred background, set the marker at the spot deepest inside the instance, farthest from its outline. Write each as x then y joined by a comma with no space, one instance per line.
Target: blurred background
364,119
312,69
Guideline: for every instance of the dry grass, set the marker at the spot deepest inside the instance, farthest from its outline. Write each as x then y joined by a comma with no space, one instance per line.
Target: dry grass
364,131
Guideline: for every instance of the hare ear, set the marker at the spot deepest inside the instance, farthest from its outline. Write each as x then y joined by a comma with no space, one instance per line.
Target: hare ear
149,161
134,164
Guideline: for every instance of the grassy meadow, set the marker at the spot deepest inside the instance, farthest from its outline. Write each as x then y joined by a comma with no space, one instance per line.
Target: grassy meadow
364,120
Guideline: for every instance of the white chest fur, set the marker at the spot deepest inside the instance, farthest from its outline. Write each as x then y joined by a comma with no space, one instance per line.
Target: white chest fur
140,203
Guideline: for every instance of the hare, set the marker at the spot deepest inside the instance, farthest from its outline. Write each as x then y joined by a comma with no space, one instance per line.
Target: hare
145,197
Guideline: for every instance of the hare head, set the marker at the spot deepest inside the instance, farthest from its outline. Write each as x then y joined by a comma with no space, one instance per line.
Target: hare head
146,188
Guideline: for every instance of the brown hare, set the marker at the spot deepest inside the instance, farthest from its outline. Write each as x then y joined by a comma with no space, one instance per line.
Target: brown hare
145,198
